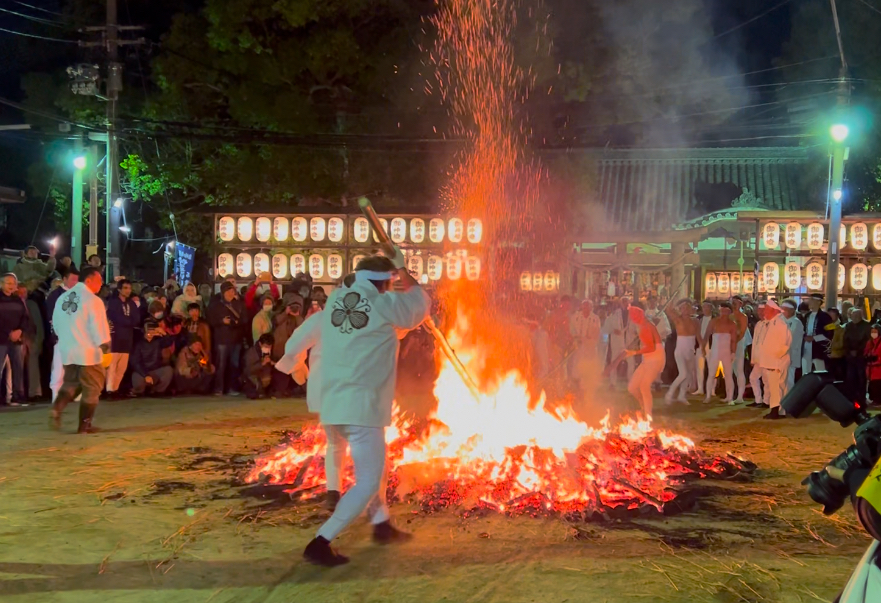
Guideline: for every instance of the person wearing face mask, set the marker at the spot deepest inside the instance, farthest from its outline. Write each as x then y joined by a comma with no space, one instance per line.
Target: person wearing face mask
227,318
262,322
156,310
873,364
189,296
255,293
124,318
258,367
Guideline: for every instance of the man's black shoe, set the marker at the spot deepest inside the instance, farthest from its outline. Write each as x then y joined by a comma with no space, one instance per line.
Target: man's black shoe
318,552
754,405
774,414
386,533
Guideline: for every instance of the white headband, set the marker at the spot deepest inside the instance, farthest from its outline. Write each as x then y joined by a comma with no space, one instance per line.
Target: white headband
789,304
371,275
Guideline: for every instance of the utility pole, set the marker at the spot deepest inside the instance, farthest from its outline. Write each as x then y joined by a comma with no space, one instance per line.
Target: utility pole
93,201
839,134
76,219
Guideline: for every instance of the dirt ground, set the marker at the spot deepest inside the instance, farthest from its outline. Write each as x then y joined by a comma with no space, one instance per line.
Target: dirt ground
146,511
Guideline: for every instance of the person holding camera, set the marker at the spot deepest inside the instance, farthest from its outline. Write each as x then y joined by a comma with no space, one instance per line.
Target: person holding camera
149,368
258,367
228,318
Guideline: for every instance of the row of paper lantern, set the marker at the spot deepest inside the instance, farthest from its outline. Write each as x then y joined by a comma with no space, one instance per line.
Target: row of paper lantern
244,265
316,229
792,235
814,273
548,281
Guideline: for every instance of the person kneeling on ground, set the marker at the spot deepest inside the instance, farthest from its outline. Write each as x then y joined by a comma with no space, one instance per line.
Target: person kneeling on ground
258,367
148,367
193,373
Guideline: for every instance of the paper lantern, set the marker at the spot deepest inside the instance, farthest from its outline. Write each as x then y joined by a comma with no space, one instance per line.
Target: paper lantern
280,227
334,266
710,283
264,229
859,276
735,283
876,236
816,232
771,272
792,275
399,230
550,281
842,237
814,276
526,281
454,267
793,235
456,230
224,265
261,264
317,229
316,266
280,265
226,228
299,229
415,266
362,230
842,277
760,287
557,280
434,267
298,264
384,224
859,236
475,230
417,230
771,235
723,283
472,268
436,230
335,229
243,265
876,277
355,259
245,228
537,281
749,283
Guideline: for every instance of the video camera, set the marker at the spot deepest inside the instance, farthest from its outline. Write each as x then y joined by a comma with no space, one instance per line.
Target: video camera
820,390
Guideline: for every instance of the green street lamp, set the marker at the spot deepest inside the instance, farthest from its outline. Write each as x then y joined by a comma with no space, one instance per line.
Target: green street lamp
79,162
839,132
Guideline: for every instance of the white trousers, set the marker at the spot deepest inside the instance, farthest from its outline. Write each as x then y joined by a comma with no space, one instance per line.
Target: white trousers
755,380
790,379
775,381
118,365
367,445
684,354
57,375
700,364
739,373
640,385
721,352
334,456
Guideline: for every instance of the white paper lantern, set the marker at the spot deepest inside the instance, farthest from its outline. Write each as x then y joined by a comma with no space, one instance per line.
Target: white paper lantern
362,230
816,232
355,259
280,227
723,283
225,266
435,267
842,277
415,266
456,230
316,266
761,284
735,283
280,265
537,281
384,224
749,283
859,276
710,282
398,230
417,230
299,229
243,265
454,267
261,264
876,277
226,229
814,276
550,281
859,236
771,272
436,230
842,237
317,230
334,266
526,281
771,235
876,236
793,235
557,280
335,229
298,264
264,229
472,268
475,230
245,228
792,276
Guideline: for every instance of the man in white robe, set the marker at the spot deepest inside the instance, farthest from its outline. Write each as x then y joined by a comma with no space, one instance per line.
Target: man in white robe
771,348
797,330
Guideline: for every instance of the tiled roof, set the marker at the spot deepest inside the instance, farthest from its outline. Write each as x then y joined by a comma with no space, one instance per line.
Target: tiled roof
651,190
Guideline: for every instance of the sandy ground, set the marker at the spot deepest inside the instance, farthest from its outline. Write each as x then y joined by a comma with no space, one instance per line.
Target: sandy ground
146,512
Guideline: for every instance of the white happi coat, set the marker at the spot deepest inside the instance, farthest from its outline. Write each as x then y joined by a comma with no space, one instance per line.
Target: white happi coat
306,337
359,336
772,343
80,322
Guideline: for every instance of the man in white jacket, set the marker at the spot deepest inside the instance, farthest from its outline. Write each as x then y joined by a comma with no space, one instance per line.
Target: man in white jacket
80,321
771,356
797,329
359,338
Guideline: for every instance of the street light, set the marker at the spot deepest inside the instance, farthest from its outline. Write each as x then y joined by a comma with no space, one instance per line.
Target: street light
839,132
125,229
118,203
836,195
79,162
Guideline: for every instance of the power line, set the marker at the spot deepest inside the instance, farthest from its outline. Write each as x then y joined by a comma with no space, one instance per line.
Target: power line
27,35
22,108
31,6
869,6
41,20
748,21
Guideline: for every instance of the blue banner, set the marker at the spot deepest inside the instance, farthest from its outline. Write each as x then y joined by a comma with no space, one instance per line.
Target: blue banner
184,261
